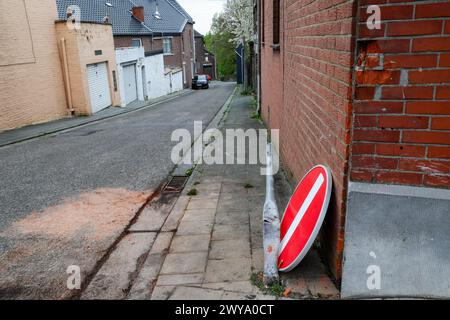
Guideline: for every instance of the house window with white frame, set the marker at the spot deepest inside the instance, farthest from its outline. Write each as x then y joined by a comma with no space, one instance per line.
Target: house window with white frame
167,45
136,42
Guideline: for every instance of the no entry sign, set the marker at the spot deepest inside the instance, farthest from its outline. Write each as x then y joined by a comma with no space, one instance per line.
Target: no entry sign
303,217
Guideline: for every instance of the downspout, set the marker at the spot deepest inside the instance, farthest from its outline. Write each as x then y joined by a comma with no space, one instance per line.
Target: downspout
194,53
67,77
242,65
258,72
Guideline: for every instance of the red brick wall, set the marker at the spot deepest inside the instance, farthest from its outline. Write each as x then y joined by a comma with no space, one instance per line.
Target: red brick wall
126,41
401,121
154,43
199,54
312,107
271,72
187,50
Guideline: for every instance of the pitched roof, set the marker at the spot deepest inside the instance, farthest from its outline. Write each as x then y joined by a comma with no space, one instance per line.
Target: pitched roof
198,34
174,17
177,6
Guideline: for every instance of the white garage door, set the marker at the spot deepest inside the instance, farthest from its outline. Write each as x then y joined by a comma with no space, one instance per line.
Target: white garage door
98,86
129,77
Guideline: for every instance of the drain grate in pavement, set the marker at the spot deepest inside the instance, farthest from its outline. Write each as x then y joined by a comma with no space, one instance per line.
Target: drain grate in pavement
176,184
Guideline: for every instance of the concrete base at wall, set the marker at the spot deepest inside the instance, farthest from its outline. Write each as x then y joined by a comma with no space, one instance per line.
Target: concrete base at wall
397,242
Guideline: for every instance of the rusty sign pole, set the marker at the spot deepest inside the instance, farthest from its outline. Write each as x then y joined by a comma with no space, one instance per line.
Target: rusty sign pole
271,226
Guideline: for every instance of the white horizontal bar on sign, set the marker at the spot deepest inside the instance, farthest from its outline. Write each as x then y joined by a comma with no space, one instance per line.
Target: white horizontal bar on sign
299,216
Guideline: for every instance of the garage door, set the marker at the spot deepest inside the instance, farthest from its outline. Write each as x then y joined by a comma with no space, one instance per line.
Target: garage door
129,77
98,86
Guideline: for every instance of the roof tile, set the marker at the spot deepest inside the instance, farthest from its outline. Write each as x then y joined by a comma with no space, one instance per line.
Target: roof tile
174,17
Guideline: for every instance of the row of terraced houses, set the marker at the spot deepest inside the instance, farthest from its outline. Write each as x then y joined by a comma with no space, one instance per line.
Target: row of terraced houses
77,57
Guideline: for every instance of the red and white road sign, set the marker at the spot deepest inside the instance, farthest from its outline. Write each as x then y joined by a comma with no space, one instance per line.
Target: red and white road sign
303,217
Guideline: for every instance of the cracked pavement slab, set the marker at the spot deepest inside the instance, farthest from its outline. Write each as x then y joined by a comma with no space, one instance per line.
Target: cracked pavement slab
217,248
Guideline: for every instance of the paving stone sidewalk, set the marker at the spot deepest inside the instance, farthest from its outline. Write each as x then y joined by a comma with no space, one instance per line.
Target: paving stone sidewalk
211,244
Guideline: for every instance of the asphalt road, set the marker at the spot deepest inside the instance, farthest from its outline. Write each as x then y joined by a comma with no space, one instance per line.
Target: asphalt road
65,198
130,152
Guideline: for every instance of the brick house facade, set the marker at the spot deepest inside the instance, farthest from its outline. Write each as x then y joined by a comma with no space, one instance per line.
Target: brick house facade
373,105
29,58
305,93
205,62
182,49
44,65
153,22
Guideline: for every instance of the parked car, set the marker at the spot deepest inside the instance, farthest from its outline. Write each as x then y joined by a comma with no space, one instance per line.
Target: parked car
200,81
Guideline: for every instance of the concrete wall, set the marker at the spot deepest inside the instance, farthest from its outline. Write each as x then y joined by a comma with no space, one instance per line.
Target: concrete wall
173,81
157,86
397,242
31,82
81,47
158,81
127,56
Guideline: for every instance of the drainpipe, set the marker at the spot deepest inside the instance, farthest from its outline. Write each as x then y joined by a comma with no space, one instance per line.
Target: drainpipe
242,66
271,220
66,77
258,62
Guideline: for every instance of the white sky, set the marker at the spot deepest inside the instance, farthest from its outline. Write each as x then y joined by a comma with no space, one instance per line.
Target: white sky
202,11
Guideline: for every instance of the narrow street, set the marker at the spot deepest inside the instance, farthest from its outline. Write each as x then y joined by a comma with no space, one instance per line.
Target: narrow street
65,198
224,150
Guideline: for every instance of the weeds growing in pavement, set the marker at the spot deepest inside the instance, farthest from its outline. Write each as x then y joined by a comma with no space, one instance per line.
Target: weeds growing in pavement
192,192
247,91
276,289
255,115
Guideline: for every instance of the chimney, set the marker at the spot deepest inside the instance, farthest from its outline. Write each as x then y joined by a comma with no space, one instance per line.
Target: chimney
69,12
138,13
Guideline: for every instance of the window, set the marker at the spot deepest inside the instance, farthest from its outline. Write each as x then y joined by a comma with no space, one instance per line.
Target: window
167,45
276,23
136,42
